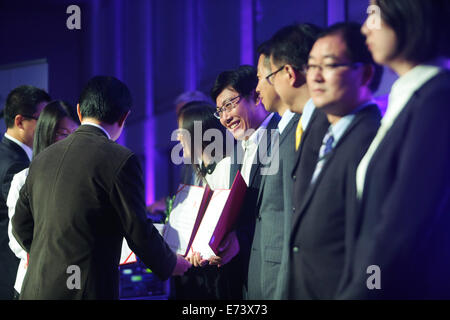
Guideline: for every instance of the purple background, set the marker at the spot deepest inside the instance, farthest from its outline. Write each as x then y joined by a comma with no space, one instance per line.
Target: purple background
158,48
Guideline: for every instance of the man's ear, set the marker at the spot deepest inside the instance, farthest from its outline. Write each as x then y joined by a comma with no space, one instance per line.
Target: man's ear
79,113
122,119
296,77
18,121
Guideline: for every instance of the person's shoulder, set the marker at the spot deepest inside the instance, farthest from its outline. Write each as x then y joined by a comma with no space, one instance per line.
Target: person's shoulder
433,97
440,82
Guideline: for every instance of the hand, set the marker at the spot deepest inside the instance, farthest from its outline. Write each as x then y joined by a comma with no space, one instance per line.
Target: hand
181,267
197,260
228,249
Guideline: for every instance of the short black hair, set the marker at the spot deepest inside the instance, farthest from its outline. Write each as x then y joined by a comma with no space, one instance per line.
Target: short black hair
357,50
47,125
421,27
106,99
243,80
292,44
264,49
23,100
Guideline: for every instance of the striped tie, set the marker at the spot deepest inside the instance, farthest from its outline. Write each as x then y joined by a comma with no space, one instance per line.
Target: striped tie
325,149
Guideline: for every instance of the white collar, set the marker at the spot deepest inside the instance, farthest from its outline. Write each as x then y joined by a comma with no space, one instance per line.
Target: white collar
405,86
25,148
257,135
308,110
285,118
401,92
97,126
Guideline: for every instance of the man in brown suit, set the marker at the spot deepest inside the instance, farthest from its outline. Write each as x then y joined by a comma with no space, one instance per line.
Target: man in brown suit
82,196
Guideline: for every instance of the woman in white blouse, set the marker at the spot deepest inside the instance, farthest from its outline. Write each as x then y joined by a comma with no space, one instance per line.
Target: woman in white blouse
56,121
204,142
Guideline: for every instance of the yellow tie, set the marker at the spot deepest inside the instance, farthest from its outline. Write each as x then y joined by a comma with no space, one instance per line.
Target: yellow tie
298,134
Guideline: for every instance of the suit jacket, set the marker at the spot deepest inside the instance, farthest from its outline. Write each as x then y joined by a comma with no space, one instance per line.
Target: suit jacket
268,239
235,272
307,156
82,196
318,237
403,222
13,159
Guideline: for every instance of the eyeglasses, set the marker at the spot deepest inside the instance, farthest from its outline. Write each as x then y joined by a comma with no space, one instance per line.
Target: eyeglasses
29,117
227,106
272,74
330,67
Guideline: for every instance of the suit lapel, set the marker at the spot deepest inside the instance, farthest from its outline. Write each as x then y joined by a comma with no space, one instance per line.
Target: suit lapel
313,188
304,136
272,125
235,166
16,148
286,133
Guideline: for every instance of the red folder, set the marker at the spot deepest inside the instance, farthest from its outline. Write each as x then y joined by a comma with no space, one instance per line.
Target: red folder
230,212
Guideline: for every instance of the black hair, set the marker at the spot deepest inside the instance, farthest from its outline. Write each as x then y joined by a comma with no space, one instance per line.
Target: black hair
264,49
421,26
106,99
23,100
200,111
243,80
292,44
47,125
357,50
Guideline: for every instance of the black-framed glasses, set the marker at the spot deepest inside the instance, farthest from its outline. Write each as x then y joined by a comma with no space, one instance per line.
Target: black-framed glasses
330,67
227,106
274,73
29,117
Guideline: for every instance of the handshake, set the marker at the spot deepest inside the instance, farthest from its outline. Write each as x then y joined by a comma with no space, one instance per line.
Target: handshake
228,249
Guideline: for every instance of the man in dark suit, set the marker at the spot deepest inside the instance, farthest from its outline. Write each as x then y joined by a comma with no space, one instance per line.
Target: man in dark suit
288,55
81,197
265,281
235,94
22,109
341,77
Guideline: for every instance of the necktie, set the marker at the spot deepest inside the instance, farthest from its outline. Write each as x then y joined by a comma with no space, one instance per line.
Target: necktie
325,149
298,134
327,144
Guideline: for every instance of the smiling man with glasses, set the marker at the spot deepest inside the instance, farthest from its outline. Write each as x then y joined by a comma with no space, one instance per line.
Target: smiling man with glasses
246,119
22,109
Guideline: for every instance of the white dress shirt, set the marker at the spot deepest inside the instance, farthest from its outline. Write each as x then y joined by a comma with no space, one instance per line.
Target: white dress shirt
16,184
401,92
97,126
250,147
285,118
308,110
220,177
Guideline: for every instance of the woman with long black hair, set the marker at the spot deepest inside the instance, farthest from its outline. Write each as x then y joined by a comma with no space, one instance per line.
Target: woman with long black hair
211,165
56,121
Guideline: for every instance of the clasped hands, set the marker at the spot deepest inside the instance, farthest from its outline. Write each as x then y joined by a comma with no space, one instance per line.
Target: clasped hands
228,249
